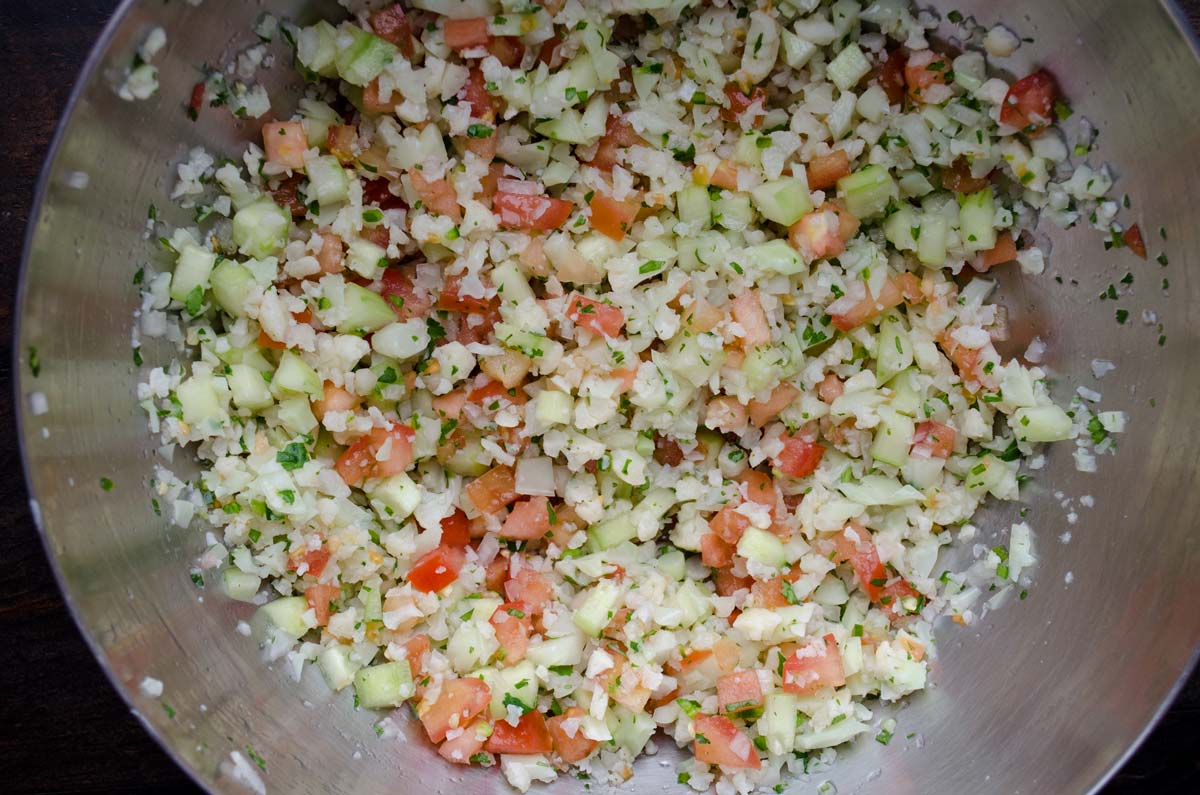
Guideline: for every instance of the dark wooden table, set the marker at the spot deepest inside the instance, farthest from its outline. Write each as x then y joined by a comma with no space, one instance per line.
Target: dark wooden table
62,727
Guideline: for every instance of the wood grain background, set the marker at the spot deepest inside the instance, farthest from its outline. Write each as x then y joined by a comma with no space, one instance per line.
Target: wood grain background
62,727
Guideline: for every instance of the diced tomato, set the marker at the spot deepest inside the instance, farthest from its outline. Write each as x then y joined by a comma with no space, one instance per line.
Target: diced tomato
508,50
529,736
800,455
747,311
487,393
739,692
596,316
893,596
287,195
197,100
740,102
760,488
463,747
453,299
398,290
813,667
332,253
715,552
456,529
924,70
570,746
719,742
1005,250
769,593
527,520
437,195
1029,103
373,101
860,551
335,399
729,524
891,295
825,170
474,93
957,177
891,76
531,588
463,34
830,388
476,326
379,193
340,141
315,558
551,52
494,490
1133,239
933,440
667,451
496,573
970,362
361,460
319,598
726,582
415,649
436,569
618,134
818,235
726,176
284,143
459,701
531,212
610,217
512,624
450,405
391,24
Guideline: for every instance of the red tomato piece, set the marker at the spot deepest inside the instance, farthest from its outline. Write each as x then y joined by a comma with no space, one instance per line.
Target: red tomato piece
933,440
459,701
378,192
830,388
494,490
725,581
373,102
415,649
893,596
618,135
398,290
316,560
1133,239
726,176
456,529
891,76
760,488
475,94
567,735
864,559
740,102
436,569
739,692
610,217
596,316
747,311
729,524
1005,250
438,195
513,625
870,307
461,748
508,50
800,456
452,298
391,24
958,178
1029,103
763,411
825,170
527,520
463,34
531,588
813,667
496,574
529,736
715,552
319,598
531,212
720,742
284,143
924,70
335,399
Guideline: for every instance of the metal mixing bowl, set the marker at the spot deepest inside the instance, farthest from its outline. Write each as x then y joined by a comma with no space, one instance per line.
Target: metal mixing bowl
1048,695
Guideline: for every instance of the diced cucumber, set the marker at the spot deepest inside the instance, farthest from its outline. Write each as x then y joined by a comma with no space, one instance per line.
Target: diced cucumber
762,547
702,251
387,684
831,591
361,56
337,667
598,608
900,228
365,258
692,602
327,180
239,585
192,270
976,220
567,650
776,256
895,351
465,460
1017,386
232,284
511,285
469,646
778,722
515,685
608,533
746,151
796,51
763,366
630,730
693,206
880,490
852,656
784,200
294,375
248,388
673,564
868,191
295,414
692,363
566,127
260,229
836,734
733,211
847,67
908,395
987,475
396,497
371,597
552,407
199,401
536,346
363,311
923,473
284,615
931,245
1041,424
914,183
316,48
893,437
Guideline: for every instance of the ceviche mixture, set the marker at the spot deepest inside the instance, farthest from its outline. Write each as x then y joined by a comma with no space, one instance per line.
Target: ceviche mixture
575,371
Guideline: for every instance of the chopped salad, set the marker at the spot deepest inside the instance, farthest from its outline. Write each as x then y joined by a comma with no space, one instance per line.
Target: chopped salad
591,375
